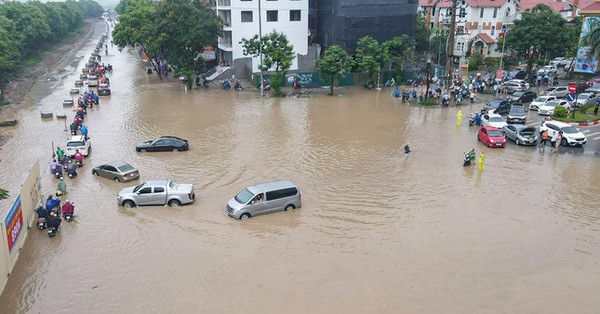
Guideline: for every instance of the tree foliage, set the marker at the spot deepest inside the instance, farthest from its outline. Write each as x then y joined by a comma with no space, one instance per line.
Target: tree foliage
334,63
3,194
173,30
277,52
27,29
541,28
422,34
370,56
399,49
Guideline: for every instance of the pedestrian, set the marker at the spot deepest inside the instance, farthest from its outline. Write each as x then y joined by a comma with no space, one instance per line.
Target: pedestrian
84,131
480,162
553,141
557,142
596,107
472,96
543,138
459,116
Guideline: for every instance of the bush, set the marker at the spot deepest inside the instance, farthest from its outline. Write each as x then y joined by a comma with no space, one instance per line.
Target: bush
559,112
475,62
585,108
429,101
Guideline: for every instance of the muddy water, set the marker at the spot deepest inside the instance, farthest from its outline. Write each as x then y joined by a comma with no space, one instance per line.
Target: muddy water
379,231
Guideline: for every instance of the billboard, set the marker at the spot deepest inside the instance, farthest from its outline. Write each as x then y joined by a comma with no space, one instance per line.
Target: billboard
585,62
14,224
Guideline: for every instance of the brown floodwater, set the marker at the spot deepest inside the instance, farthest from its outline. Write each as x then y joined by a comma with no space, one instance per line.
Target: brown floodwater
379,231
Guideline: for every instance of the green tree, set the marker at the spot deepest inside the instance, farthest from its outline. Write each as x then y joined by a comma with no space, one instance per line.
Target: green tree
334,63
277,52
370,56
532,31
9,52
3,194
422,34
30,24
400,48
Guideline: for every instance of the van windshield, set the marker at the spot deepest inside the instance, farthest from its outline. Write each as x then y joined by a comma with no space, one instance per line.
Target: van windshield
244,196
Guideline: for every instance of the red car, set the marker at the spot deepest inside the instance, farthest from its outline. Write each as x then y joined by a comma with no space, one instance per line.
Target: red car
491,136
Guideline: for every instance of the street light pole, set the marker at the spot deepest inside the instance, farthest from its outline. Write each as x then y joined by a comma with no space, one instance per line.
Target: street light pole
260,44
450,48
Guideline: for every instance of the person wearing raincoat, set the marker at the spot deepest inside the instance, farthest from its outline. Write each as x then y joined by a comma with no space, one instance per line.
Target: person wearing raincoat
59,153
480,162
61,189
459,116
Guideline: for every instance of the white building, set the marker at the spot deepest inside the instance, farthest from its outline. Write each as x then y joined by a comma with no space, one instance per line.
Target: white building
241,20
479,23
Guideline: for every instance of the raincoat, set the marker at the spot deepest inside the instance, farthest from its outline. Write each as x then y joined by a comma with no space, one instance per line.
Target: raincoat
68,208
62,187
480,162
59,153
459,116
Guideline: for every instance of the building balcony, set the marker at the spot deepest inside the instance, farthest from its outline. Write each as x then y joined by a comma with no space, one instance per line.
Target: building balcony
224,3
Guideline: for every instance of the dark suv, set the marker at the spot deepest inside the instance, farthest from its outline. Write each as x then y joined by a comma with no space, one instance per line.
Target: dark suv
516,114
500,106
523,96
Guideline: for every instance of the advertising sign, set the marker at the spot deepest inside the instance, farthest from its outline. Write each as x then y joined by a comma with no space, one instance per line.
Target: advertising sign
208,53
14,224
585,61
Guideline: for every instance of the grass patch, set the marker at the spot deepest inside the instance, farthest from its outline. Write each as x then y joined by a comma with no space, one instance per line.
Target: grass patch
4,102
579,117
428,102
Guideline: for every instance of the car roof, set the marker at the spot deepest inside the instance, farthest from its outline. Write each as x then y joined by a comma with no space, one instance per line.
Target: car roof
268,186
173,137
118,163
77,138
559,124
156,182
494,115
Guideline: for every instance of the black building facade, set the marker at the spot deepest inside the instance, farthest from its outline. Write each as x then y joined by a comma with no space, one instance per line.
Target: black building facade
343,22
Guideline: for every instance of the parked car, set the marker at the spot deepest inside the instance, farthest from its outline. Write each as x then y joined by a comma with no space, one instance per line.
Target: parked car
594,80
547,69
584,99
118,171
492,119
557,91
517,74
103,90
548,108
163,144
264,198
511,87
491,136
571,135
495,104
595,89
540,101
523,96
520,134
558,62
157,192
92,81
523,83
78,143
516,114
565,63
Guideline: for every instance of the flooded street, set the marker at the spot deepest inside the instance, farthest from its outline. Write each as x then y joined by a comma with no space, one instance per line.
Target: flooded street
379,231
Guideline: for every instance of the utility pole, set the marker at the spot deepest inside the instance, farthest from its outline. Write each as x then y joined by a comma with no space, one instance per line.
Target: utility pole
262,90
450,47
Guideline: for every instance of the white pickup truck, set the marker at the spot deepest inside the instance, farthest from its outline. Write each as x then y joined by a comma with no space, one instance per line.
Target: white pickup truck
157,192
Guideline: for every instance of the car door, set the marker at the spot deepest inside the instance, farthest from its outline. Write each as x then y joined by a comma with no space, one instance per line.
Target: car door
257,208
159,196
530,96
511,132
483,137
144,196
159,145
110,172
485,120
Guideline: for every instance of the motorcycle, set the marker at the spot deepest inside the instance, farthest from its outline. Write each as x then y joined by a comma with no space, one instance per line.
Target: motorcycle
69,217
78,163
469,158
41,223
52,231
58,174
71,174
369,84
471,119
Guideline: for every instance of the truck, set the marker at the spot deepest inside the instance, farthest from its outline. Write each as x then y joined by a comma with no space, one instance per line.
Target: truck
157,192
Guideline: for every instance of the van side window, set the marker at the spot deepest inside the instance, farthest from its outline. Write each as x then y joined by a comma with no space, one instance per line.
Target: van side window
273,195
147,190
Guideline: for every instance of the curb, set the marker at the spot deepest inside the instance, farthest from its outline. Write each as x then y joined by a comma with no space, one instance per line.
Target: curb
588,123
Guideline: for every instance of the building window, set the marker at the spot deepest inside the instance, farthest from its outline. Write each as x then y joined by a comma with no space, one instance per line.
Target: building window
433,11
495,12
493,30
448,11
507,12
460,30
246,16
481,13
294,15
462,13
272,16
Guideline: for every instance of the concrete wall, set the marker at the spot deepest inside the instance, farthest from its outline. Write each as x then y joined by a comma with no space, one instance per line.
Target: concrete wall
306,63
14,226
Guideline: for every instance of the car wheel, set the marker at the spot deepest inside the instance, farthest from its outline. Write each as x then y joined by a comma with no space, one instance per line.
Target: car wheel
478,138
95,173
116,179
245,216
289,207
128,204
517,142
143,150
564,142
175,150
174,203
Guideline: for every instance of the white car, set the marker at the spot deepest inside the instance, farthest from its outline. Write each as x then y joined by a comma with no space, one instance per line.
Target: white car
571,135
558,91
585,98
78,143
521,82
547,69
92,81
557,61
540,101
548,108
494,120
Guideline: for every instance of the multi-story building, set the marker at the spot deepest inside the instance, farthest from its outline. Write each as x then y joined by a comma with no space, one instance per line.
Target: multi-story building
479,23
241,18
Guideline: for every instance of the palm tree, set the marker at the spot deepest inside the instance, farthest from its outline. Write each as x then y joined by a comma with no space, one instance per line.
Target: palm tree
592,39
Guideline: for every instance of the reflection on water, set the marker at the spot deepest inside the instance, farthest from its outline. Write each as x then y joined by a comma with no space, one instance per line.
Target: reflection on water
379,230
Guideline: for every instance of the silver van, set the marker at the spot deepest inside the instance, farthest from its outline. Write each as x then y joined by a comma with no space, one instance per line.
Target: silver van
263,199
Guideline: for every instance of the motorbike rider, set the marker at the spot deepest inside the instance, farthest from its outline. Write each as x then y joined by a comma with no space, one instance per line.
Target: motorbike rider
78,157
53,166
237,85
59,153
41,212
226,84
68,208
58,170
61,187
52,204
54,221
71,169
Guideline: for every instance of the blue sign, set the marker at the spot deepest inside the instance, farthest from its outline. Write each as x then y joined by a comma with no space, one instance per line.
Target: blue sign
570,97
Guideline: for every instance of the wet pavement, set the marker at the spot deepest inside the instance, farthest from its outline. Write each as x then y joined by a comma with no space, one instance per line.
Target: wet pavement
379,231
